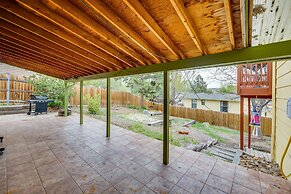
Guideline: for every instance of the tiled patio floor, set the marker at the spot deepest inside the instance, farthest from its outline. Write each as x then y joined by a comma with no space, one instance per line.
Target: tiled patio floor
49,154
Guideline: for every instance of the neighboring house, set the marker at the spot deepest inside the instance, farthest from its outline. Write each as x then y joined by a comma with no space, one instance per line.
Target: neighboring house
281,122
218,102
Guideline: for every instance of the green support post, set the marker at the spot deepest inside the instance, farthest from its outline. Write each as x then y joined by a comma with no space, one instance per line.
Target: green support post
108,109
66,99
166,119
81,102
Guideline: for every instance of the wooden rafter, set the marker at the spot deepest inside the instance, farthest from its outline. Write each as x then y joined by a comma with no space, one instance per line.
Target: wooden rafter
58,31
189,25
268,52
39,64
112,18
147,19
36,46
250,22
30,66
31,56
81,19
69,32
228,12
244,22
25,48
24,28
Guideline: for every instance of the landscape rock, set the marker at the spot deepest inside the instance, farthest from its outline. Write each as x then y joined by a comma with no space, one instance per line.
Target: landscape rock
260,164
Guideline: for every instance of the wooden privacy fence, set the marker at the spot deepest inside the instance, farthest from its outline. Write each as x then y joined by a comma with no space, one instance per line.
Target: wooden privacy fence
230,120
14,89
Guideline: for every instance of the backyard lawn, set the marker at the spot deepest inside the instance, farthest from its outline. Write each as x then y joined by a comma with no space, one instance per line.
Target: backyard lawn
135,119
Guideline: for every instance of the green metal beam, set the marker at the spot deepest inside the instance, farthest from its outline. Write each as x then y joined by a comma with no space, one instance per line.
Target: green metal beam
268,52
66,100
166,119
81,102
108,112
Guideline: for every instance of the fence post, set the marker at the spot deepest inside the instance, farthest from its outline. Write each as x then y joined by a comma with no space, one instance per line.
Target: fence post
8,89
66,99
81,102
166,119
108,109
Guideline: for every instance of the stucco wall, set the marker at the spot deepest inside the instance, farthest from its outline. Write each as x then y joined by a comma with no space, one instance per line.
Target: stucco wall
282,127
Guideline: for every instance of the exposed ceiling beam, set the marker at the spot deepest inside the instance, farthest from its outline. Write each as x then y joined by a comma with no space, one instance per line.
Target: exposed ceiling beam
250,22
36,63
228,12
245,6
23,43
29,66
68,10
268,52
13,52
103,10
56,30
147,19
24,28
189,25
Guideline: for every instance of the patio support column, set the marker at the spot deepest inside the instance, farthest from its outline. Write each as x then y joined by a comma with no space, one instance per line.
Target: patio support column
81,102
66,100
249,120
241,122
108,110
166,119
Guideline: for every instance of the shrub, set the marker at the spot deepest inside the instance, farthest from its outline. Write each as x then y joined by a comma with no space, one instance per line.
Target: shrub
55,104
94,104
51,87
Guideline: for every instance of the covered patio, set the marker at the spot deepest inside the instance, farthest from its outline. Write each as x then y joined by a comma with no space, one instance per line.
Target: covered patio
52,154
83,40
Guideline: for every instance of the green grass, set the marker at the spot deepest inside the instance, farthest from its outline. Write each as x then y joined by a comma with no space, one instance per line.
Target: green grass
136,108
188,140
140,128
212,131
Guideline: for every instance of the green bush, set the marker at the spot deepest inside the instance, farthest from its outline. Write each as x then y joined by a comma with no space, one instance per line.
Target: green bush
55,104
94,104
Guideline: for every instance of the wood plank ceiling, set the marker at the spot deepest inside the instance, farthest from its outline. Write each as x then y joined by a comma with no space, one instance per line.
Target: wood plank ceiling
74,38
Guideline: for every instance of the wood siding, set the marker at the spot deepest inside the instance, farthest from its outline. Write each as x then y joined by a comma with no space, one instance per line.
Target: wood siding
282,122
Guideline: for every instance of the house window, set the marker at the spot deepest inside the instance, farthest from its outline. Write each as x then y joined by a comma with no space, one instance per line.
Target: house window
202,102
194,103
223,106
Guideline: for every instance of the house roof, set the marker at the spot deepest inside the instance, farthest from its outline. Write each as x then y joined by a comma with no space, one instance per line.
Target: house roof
216,97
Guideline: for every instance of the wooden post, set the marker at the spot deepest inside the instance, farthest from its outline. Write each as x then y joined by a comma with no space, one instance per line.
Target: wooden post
108,109
66,99
166,119
241,122
81,102
249,120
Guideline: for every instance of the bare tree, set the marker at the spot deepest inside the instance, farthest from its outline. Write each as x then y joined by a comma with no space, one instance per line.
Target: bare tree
226,75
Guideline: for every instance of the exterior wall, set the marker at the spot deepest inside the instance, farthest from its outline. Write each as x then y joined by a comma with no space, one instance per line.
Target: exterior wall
233,106
281,123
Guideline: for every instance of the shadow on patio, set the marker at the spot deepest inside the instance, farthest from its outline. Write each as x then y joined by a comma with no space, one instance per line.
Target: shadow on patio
49,154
